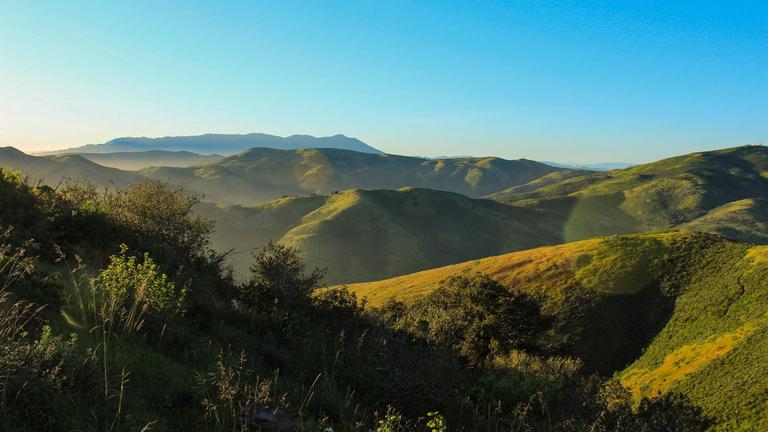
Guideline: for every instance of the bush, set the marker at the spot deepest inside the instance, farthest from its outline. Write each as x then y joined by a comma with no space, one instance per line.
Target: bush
127,280
278,278
477,317
160,219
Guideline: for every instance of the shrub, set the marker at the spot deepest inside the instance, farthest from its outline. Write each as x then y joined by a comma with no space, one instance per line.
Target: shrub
126,280
278,278
160,219
478,317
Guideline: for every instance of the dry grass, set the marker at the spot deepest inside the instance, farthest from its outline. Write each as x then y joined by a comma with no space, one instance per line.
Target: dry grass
686,360
758,255
607,264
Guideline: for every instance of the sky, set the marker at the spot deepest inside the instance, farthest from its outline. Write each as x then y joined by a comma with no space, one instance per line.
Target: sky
582,81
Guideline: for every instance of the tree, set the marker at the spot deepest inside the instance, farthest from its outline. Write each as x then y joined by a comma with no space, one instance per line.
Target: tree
160,217
478,317
278,277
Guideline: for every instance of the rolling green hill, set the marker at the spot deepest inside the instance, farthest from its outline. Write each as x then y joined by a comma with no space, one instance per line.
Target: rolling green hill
669,311
263,174
364,235
55,169
660,195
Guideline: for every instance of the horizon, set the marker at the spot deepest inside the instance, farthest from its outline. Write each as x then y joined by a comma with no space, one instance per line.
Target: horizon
570,83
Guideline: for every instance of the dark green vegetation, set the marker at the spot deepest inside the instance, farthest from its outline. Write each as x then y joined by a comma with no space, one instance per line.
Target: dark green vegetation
223,143
669,312
263,174
134,161
704,190
114,315
412,229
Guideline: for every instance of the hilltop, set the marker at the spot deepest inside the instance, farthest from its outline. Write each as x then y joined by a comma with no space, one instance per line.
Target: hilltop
669,311
369,234
262,174
223,143
665,194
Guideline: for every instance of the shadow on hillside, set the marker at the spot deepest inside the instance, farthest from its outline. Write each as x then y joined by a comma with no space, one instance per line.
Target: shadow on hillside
619,327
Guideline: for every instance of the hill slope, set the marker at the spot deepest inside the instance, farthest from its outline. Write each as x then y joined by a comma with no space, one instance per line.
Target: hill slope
659,195
262,174
134,161
54,169
364,235
669,311
223,143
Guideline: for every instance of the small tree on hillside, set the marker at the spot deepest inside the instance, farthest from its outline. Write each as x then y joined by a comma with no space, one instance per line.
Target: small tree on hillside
160,217
478,317
278,277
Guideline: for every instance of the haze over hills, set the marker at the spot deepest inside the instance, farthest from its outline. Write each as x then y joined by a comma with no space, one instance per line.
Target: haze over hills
136,160
222,144
368,234
667,311
262,174
54,169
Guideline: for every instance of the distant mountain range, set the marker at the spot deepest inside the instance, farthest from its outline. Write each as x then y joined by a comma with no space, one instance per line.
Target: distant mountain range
262,174
225,144
420,213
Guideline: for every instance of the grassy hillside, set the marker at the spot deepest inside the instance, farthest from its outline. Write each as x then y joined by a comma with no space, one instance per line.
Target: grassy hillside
659,195
262,174
670,311
742,220
364,235
136,160
53,170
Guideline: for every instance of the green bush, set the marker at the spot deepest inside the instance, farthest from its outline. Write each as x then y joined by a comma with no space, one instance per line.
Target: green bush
125,279
477,317
278,278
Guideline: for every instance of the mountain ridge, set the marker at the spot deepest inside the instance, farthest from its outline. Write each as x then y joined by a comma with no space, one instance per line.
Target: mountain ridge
221,143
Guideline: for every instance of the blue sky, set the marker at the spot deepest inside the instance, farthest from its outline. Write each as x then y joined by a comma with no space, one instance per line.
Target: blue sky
567,81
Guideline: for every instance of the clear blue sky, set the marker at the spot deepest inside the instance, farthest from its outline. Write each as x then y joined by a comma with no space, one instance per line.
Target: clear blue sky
551,80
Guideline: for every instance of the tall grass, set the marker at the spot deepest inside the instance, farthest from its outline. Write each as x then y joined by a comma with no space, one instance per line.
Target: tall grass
14,314
105,317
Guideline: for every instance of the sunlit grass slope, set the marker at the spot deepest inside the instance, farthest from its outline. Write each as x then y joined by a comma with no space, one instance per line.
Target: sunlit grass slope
669,311
262,174
659,195
365,235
